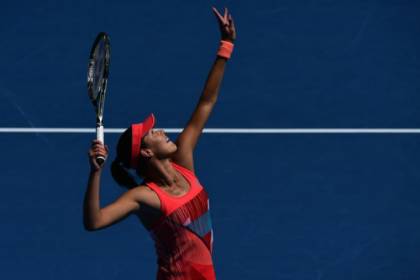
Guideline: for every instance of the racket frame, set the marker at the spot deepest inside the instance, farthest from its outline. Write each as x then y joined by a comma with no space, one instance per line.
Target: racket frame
98,101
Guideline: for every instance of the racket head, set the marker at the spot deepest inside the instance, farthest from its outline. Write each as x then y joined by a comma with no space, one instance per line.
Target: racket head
98,71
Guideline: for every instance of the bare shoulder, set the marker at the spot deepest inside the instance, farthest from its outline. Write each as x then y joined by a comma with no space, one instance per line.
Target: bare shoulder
144,195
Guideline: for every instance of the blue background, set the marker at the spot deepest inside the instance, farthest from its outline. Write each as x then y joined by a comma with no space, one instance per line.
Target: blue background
283,206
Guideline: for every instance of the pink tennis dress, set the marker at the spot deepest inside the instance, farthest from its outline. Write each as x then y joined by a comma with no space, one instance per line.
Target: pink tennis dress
184,236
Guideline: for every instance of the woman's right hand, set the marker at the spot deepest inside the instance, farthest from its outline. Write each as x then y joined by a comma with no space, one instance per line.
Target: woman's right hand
226,25
97,149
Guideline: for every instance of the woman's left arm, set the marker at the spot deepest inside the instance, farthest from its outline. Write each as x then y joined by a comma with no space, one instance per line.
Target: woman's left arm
188,139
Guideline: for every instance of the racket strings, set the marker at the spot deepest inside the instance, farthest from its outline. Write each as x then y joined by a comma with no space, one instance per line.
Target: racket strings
98,74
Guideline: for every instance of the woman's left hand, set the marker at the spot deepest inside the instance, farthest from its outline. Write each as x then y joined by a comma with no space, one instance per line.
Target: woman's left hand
226,24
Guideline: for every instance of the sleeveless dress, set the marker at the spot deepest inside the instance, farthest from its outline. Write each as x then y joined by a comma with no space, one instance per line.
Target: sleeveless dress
183,236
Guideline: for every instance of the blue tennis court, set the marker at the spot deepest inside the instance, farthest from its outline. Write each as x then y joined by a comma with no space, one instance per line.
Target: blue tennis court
284,205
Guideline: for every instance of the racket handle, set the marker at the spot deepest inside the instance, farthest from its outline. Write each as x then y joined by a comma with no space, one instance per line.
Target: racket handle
100,136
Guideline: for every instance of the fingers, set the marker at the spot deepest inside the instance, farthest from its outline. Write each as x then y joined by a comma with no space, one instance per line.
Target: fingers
98,149
226,25
225,21
97,143
218,15
97,153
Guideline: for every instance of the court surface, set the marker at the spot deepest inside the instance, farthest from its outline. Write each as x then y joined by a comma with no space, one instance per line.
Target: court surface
284,205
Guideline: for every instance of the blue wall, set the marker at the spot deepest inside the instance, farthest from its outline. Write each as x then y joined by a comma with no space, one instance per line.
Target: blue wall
283,206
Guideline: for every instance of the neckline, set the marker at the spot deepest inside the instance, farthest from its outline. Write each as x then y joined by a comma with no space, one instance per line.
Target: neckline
186,179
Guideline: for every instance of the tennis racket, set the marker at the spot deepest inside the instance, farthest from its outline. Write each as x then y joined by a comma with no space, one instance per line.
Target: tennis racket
97,79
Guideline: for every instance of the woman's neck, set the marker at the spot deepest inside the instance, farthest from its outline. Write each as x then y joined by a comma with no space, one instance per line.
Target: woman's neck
162,173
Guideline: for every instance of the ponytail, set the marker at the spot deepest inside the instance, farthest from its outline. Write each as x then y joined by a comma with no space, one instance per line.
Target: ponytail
121,174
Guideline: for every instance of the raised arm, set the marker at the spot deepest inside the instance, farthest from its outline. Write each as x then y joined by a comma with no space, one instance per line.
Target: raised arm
95,217
188,139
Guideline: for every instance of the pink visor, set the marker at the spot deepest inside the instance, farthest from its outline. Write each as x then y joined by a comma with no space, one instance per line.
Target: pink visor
138,130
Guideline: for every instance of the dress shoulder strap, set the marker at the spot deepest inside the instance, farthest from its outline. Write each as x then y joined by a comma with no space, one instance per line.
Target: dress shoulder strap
161,195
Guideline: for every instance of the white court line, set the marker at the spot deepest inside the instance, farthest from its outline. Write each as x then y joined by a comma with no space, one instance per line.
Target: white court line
228,130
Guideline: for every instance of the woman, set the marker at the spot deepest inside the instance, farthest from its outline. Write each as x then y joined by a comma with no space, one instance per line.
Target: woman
170,203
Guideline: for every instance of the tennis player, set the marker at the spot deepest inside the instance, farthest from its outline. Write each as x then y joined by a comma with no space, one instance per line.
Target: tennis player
171,203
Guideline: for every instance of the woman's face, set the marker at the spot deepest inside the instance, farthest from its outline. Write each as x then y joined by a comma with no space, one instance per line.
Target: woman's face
159,143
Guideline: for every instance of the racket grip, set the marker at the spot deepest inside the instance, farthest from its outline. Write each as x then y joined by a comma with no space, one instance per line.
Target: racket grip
100,136
100,133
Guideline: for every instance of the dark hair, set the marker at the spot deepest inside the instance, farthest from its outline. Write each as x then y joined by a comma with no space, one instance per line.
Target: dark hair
120,167
122,175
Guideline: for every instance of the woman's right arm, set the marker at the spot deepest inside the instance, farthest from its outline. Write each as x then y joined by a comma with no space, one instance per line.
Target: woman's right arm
95,217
